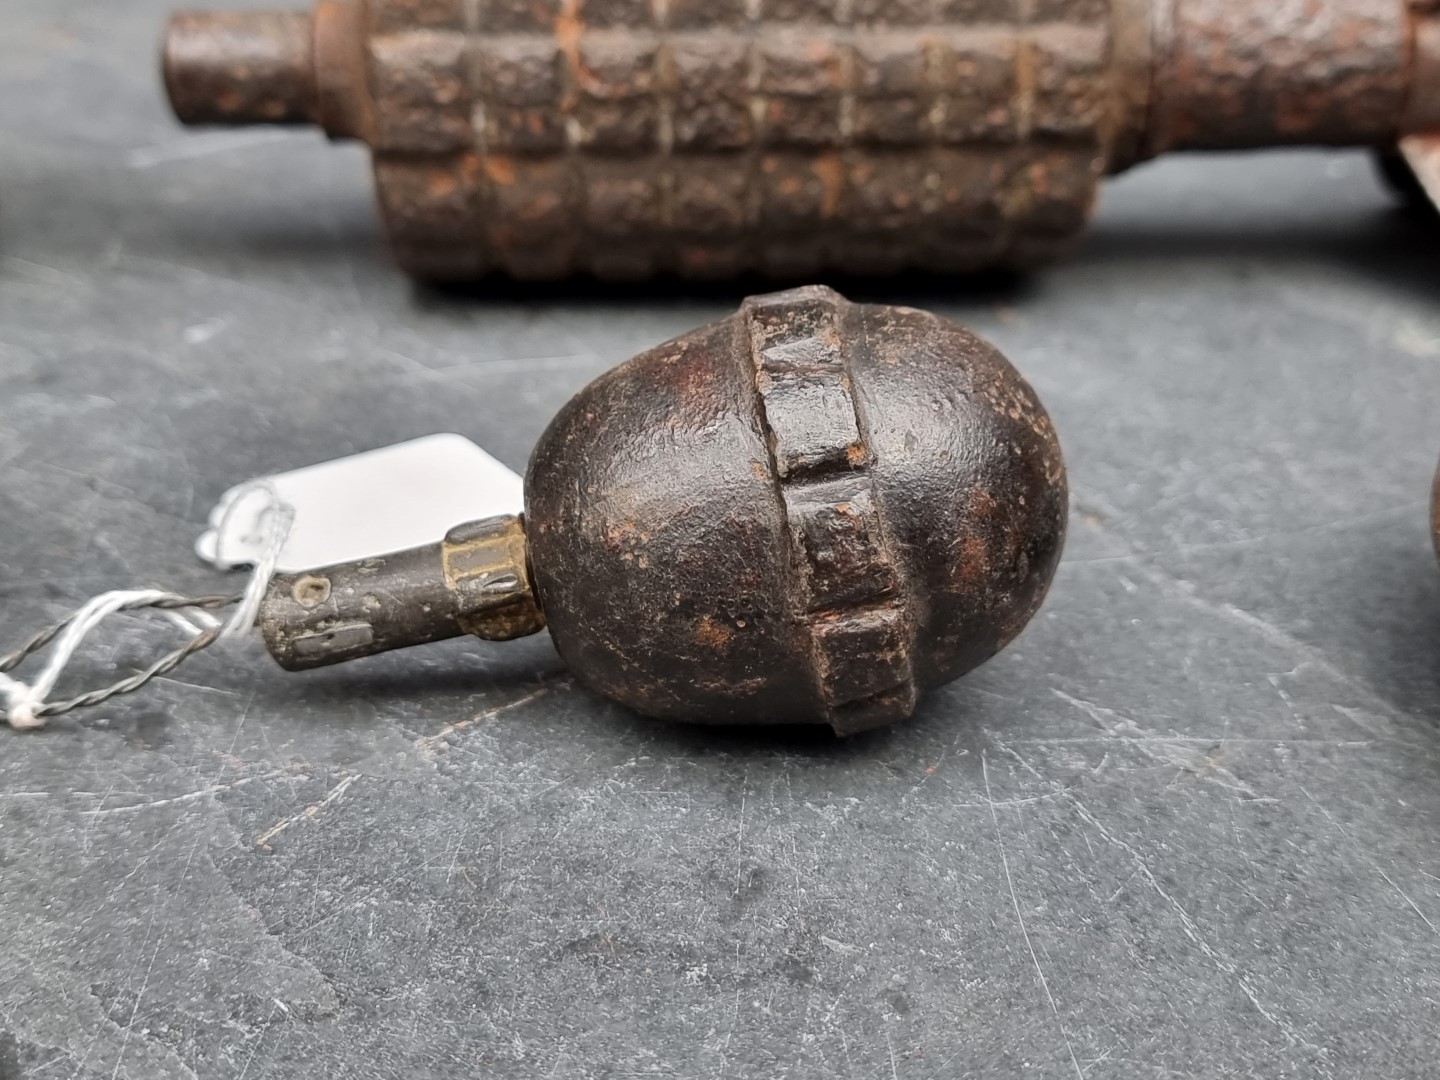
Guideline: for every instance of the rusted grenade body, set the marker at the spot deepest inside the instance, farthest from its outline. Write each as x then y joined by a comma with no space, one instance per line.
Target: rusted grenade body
709,138
1435,513
810,512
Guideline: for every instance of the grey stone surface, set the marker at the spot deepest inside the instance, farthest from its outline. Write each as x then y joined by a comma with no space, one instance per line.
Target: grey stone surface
1186,826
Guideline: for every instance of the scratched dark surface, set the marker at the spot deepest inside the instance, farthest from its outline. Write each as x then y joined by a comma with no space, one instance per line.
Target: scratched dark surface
1186,826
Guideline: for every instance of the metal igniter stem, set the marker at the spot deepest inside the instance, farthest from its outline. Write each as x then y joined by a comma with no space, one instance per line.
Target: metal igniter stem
474,582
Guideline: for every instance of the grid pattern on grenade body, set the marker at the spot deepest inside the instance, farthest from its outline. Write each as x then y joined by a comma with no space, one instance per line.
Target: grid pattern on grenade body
847,589
631,137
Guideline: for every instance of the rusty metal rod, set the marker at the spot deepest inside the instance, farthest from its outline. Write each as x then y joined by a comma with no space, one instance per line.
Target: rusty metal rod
242,68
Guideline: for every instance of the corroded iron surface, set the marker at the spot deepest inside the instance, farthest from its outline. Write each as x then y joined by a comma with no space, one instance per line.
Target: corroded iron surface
635,137
629,138
1435,513
1250,73
811,512
241,68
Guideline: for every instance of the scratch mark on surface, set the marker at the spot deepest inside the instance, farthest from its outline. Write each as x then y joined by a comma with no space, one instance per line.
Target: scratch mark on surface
1361,719
144,985
43,272
255,1043
734,1019
431,745
192,796
740,844
1025,933
1181,590
1005,804
1108,720
1183,550
235,738
1188,926
1116,894
175,267
1103,1057
199,146
1273,678
932,769
98,483
198,686
1201,740
1170,751
532,363
412,371
311,811
1379,869
1406,896
1273,634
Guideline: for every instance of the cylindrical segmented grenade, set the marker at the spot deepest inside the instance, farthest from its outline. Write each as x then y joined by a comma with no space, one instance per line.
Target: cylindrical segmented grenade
712,137
810,512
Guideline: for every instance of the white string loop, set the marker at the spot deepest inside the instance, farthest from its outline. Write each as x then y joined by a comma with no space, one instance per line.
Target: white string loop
22,700
277,520
26,704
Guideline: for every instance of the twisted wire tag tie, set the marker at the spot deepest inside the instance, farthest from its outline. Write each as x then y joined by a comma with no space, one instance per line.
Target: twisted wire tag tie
26,705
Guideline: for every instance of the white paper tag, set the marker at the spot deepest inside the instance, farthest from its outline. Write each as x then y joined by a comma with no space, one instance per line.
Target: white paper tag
365,505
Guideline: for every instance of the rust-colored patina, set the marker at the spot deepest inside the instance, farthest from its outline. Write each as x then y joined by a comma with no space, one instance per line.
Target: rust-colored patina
710,137
810,512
